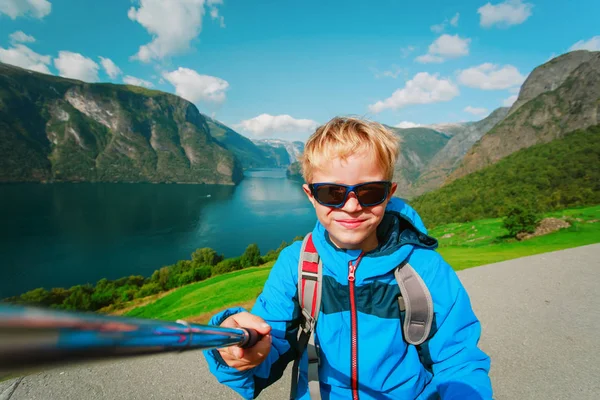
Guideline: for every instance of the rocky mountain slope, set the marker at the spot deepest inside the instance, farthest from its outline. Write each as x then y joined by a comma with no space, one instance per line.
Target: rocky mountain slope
418,146
247,152
464,135
56,129
260,153
558,97
281,152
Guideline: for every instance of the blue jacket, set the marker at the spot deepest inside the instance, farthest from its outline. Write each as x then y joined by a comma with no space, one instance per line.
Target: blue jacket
453,367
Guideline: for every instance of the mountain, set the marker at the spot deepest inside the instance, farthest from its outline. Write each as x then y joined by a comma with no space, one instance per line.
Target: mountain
247,152
547,176
558,97
418,146
281,152
259,153
464,135
294,171
57,129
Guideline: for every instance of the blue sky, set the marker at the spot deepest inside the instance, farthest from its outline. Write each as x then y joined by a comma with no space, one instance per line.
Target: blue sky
278,68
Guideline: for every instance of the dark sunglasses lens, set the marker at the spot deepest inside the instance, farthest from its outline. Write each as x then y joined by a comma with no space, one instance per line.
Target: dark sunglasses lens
330,194
372,193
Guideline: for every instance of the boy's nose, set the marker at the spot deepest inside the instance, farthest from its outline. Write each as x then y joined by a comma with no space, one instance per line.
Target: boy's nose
352,204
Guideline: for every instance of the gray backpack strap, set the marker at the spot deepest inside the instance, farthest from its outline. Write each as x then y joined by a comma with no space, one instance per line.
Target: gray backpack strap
310,276
416,300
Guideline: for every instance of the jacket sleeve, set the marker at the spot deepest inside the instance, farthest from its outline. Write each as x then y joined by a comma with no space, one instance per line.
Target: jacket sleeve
460,369
278,306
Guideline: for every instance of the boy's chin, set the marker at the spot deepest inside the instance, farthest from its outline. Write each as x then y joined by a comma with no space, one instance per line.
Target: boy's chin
349,240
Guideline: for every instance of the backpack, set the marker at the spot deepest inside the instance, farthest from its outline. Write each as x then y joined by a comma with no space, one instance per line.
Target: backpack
414,300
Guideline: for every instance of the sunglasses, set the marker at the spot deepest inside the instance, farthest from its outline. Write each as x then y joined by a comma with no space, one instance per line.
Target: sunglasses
368,194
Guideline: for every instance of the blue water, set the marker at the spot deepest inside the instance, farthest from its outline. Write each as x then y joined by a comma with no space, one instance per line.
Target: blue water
59,235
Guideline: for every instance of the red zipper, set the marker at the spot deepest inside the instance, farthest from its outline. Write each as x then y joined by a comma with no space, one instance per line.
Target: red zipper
354,326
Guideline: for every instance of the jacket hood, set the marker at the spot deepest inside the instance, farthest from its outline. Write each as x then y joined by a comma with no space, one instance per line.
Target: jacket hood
400,231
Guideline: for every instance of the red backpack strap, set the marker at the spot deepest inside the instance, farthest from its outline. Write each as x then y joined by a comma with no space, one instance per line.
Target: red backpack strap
310,276
309,279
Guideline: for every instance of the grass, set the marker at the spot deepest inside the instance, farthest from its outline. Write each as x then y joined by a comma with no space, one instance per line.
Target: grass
462,245
485,241
201,298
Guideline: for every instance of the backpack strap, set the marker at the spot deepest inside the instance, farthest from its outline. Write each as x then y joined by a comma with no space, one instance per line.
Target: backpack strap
310,276
416,300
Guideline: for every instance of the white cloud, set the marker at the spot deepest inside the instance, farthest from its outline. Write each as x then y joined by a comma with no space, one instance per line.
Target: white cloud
394,72
21,37
214,14
592,45
173,25
22,56
454,20
132,80
406,125
510,12
110,67
76,66
405,51
428,58
476,110
510,100
266,125
422,89
439,28
491,77
444,47
515,90
20,8
195,87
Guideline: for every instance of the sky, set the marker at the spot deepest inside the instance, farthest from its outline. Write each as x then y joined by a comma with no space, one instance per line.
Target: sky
279,68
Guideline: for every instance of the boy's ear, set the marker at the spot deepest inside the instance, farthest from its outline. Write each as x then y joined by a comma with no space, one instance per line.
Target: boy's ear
392,190
308,193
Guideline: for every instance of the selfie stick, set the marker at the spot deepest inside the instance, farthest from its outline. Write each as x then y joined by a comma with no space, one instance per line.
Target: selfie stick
34,337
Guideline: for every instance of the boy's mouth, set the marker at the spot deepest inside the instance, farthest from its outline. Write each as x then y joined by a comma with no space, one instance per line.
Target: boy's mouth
350,223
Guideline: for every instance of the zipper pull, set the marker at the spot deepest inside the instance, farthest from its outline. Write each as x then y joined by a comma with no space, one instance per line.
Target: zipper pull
351,270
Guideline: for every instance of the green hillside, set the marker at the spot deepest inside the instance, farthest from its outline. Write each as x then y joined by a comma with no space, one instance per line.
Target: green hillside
248,153
57,129
551,176
198,298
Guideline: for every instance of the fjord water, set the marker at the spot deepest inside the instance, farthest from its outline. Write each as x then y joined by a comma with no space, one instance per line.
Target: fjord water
59,235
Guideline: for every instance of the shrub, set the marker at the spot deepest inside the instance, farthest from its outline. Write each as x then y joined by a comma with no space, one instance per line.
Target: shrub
206,256
227,265
185,278
251,256
202,273
148,289
520,219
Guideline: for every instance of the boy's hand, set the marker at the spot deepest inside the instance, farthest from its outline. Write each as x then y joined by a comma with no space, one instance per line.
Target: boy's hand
245,359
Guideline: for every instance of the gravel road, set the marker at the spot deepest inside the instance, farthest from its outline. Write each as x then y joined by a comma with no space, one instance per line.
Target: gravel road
540,317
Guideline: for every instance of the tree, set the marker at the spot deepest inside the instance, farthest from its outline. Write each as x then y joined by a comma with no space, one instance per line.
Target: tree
520,219
36,296
206,256
227,265
148,289
80,298
202,273
163,277
251,256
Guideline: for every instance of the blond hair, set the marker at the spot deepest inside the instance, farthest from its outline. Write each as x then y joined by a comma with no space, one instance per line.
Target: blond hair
344,136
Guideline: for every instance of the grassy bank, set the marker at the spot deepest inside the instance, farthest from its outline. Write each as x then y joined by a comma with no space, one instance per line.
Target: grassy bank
204,297
462,245
484,242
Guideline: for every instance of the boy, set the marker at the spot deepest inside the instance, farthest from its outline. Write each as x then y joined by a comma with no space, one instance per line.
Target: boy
361,236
